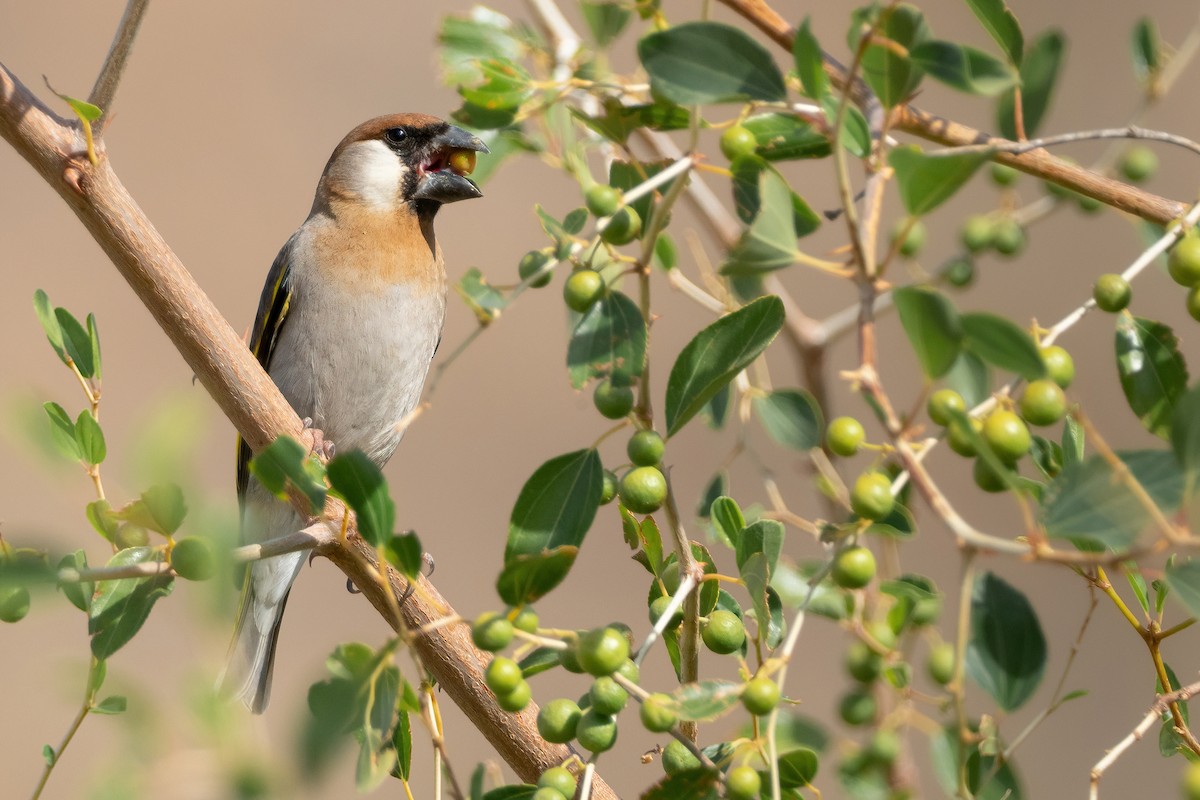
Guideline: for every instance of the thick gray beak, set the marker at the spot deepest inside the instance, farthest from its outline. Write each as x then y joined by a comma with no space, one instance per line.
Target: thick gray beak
442,184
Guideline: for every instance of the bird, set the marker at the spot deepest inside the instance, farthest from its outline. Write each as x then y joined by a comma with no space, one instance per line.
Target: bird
348,322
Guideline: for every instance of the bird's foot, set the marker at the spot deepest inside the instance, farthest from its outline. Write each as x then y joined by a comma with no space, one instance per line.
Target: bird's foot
321,446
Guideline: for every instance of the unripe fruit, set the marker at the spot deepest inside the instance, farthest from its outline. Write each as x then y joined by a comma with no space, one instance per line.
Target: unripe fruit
1184,261
1112,293
960,273
623,227
462,162
871,497
596,732
941,663
532,263
645,448
1088,204
613,402
602,651
760,696
1043,402
723,632
503,675
643,490
942,405
1009,238
14,603
526,620
608,487
607,696
1190,786
659,605
491,631
956,437
559,778
1139,163
845,435
557,720
677,758
738,141
1193,302
882,633
583,289
853,568
658,713
926,611
630,671
913,241
192,558
884,747
516,699
547,793
742,783
978,233
130,535
1007,435
987,478
1059,365
863,663
1004,175
602,200
857,707
569,658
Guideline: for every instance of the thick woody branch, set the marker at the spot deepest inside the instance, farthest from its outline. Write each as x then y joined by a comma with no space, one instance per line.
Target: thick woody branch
914,120
251,401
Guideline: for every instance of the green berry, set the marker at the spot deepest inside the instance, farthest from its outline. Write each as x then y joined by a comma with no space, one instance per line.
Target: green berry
596,732
941,663
882,633
1004,175
1007,435
987,478
926,611
1088,204
491,631
608,487
516,699
130,535
569,658
863,663
532,263
556,721
1184,261
1139,163
583,289
845,435
192,558
978,233
960,273
559,778
503,675
957,438
602,651
547,793
913,241
1043,402
630,671
645,448
623,227
943,404
738,141
1193,302
670,576
1112,293
1190,784
658,713
884,747
742,783
1009,238
526,620
607,695
659,606
613,402
14,603
853,567
857,707
677,758
1059,365
723,632
602,200
760,696
872,497
643,490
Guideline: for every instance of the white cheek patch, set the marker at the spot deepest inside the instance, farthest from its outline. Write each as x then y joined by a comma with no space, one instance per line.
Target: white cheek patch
375,173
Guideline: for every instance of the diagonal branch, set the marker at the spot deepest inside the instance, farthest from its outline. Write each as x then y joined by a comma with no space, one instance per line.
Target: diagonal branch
118,53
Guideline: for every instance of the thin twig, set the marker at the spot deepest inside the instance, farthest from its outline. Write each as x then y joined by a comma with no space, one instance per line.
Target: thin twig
1156,711
105,88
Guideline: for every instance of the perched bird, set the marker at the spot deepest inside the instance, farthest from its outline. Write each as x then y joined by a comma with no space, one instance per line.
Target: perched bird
347,324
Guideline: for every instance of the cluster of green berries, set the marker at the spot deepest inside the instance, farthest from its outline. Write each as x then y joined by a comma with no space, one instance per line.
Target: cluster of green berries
871,497
643,489
492,632
982,232
1184,266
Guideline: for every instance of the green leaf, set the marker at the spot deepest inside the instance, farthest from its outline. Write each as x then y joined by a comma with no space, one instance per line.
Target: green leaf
465,41
810,65
90,439
999,21
1138,583
1152,371
764,536
946,752
48,755
927,181
709,62
539,660
755,575
855,134
77,342
402,743
62,431
692,784
1039,73
166,506
727,519
285,460
748,172
45,315
791,417
1006,654
970,377
718,353
932,326
797,768
887,68
1185,434
121,607
78,592
114,704
1145,45
1072,442
704,701
526,578
1090,506
1183,576
783,137
963,68
619,120
769,243
484,301
403,551
556,505
84,110
610,339
605,20
505,86
360,483
1003,344
94,335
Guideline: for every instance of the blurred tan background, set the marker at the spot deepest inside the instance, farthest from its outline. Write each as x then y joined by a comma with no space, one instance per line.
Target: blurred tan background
221,128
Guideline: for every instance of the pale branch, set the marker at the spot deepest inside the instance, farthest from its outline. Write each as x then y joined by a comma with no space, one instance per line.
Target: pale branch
109,78
247,396
914,120
1128,132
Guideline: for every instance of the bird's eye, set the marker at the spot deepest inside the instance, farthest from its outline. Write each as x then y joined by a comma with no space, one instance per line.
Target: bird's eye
395,135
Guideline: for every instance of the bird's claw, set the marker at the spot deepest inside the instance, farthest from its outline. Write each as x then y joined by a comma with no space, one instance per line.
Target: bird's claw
321,447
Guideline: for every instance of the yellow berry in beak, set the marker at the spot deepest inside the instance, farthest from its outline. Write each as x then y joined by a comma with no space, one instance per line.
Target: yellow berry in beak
462,162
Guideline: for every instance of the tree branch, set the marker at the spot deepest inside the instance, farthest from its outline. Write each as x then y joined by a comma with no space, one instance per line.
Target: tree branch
105,88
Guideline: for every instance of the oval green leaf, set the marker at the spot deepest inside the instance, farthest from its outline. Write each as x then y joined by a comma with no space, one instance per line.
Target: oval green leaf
1006,654
783,137
810,62
999,21
791,417
887,68
932,326
1039,72
90,439
556,505
610,339
1152,371
77,342
708,62
1185,434
1003,344
797,768
121,607
360,483
1184,579
963,68
704,701
927,181
769,243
